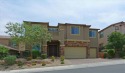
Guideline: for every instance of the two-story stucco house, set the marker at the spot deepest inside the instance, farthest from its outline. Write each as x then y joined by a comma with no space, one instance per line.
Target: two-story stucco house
70,40
103,34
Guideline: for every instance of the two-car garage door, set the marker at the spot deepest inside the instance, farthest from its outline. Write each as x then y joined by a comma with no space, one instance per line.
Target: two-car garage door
75,52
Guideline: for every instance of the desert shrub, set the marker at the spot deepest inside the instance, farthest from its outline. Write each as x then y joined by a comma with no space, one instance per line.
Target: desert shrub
38,57
53,58
44,56
26,54
111,53
43,63
62,58
35,54
123,57
62,62
121,54
3,52
105,55
33,63
29,58
20,63
10,60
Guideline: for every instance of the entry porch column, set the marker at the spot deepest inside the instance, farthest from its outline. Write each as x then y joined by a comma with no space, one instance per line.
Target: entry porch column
62,50
44,49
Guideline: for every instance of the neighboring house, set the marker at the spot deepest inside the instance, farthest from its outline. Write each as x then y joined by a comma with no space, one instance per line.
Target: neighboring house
70,40
5,41
103,34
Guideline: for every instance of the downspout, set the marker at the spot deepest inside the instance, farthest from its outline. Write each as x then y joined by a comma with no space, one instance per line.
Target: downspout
66,32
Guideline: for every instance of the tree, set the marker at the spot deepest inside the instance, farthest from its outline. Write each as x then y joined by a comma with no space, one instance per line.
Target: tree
31,35
3,52
16,31
37,34
116,41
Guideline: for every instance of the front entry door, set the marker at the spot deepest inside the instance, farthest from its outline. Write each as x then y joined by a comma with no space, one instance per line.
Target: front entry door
52,50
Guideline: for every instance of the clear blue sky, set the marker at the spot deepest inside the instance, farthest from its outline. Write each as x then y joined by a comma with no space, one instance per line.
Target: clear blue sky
98,13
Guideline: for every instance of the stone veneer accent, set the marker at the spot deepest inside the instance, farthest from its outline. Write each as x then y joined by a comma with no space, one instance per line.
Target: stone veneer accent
61,50
75,43
45,49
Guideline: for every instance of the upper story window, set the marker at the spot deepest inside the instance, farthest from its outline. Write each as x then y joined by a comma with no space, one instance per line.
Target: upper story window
75,30
92,33
101,35
116,28
53,29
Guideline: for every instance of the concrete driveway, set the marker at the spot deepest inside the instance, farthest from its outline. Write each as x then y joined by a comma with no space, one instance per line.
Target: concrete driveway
85,61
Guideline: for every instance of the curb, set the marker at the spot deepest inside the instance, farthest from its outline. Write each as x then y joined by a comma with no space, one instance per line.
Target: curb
67,67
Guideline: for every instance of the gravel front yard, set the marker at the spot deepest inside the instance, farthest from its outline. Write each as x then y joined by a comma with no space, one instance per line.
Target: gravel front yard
49,63
29,64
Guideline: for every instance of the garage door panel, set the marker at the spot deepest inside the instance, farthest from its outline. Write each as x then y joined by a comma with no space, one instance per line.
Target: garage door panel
93,53
75,52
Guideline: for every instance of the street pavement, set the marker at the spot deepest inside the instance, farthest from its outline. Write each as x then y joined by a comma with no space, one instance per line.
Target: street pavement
102,69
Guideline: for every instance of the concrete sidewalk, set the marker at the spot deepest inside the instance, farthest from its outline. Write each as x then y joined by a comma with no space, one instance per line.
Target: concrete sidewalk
66,67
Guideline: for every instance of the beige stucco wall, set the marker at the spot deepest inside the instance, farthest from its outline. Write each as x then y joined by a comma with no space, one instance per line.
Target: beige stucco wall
108,31
122,28
82,36
4,41
94,41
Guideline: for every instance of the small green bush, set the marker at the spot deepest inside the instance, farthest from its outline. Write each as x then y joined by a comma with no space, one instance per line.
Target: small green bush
62,58
44,56
43,63
121,54
3,52
62,62
26,54
123,57
33,64
20,63
35,54
105,54
29,58
111,53
53,58
10,60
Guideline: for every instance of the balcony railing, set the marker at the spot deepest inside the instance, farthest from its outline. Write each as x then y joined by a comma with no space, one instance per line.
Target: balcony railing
54,33
53,29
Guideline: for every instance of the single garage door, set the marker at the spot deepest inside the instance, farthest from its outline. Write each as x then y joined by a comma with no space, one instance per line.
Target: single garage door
75,52
93,53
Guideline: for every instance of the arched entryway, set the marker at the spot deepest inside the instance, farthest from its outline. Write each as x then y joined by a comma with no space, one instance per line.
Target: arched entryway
53,48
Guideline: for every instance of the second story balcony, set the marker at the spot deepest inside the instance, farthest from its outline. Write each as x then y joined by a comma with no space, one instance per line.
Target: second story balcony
56,33
53,29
